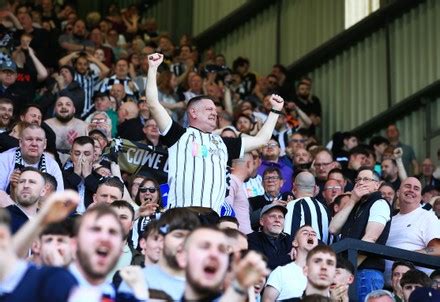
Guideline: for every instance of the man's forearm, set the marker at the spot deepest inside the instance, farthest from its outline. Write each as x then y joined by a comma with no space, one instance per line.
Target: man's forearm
158,112
339,219
253,142
401,169
432,251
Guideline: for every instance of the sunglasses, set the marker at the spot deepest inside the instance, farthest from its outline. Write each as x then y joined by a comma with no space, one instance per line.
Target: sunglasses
145,190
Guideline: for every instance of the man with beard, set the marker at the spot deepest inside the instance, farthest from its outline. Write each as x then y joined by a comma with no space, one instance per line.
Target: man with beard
309,103
66,126
167,276
393,170
6,112
30,189
206,261
98,244
76,41
99,241
302,160
321,166
390,173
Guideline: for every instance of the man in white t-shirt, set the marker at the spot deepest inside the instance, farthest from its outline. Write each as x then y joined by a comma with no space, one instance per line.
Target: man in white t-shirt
280,284
413,228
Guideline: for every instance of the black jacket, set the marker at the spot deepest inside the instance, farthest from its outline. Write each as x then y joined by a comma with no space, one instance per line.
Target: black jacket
131,129
275,249
72,180
356,225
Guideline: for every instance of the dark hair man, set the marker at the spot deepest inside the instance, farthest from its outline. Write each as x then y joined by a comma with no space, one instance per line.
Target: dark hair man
411,280
167,276
366,217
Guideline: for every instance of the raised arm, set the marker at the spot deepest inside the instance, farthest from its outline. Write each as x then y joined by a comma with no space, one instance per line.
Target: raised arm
251,143
305,120
341,217
158,112
67,59
41,70
398,153
104,70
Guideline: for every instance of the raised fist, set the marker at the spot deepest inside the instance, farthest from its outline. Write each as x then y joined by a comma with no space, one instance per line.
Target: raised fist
155,59
277,102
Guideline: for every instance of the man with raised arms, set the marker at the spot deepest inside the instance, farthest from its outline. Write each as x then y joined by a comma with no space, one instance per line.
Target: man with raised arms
198,158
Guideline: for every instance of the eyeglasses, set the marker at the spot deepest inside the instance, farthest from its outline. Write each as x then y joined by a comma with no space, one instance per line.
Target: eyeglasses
333,188
145,189
267,178
364,179
322,164
98,120
271,145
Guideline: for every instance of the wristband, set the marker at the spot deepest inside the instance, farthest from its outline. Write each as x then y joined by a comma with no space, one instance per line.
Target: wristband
237,288
276,111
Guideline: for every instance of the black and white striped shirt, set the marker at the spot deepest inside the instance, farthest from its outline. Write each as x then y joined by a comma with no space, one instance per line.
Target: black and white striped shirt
197,166
88,83
308,211
130,87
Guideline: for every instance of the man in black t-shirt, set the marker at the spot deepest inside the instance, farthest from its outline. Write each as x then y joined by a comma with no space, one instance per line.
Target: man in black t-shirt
307,102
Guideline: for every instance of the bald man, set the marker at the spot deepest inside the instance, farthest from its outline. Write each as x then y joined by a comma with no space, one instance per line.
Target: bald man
127,110
306,209
414,228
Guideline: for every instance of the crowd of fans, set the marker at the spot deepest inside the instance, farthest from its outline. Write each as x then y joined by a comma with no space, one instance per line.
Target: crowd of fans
253,200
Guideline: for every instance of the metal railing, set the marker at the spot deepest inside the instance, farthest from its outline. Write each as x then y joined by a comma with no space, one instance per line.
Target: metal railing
354,247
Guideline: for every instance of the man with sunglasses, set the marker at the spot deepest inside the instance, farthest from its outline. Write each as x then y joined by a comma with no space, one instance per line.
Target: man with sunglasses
367,217
198,159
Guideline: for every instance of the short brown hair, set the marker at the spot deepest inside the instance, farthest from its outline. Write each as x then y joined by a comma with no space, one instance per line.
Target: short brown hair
100,210
321,249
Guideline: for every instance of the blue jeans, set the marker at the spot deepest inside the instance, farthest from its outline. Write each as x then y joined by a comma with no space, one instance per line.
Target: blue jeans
368,280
